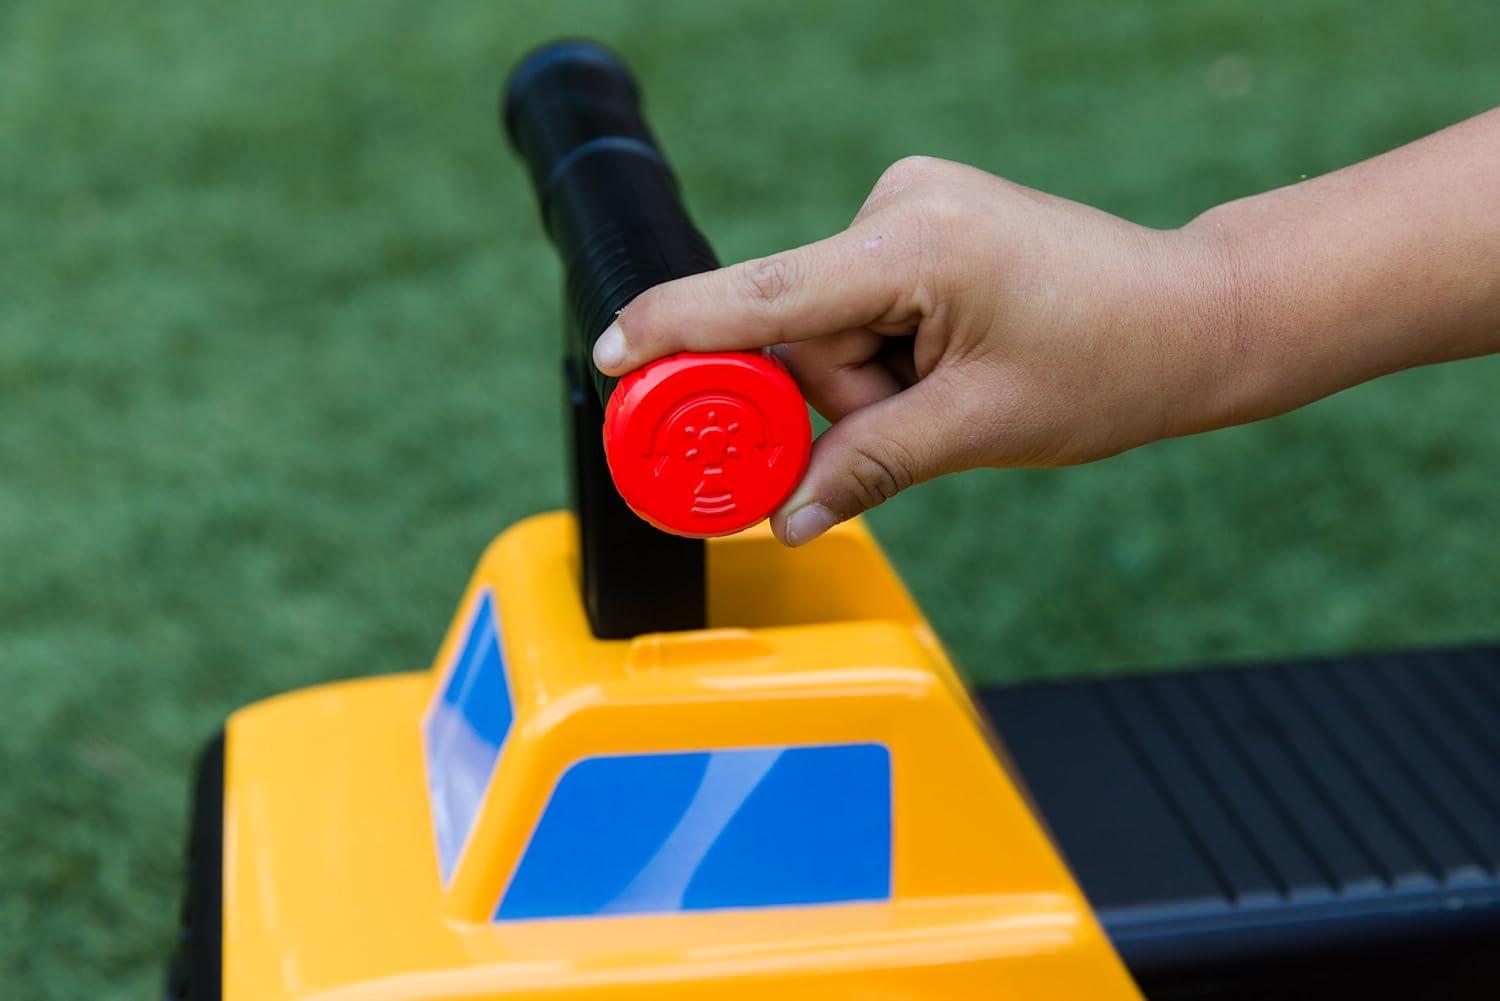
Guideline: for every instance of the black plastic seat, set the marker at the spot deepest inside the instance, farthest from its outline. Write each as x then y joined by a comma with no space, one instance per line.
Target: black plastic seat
1280,830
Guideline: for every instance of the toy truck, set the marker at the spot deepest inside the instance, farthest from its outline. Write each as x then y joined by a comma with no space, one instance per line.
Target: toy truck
644,765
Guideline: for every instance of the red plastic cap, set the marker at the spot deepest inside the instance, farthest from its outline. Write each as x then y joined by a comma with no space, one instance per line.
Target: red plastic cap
707,444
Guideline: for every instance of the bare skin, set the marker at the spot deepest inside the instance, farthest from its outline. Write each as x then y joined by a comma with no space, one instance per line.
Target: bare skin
963,321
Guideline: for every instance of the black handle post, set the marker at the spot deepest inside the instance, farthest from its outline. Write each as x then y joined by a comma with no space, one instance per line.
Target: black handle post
611,208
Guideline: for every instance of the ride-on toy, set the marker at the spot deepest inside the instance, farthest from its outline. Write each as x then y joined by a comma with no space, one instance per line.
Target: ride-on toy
649,765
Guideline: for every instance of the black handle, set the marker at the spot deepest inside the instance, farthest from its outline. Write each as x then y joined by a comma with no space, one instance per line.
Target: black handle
610,204
609,201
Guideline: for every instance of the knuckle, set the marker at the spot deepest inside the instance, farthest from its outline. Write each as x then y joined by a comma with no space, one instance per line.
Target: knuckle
770,280
877,474
639,315
907,171
945,207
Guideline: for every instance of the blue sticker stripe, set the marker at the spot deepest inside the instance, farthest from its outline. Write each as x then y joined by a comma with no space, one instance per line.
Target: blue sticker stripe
756,827
465,730
840,851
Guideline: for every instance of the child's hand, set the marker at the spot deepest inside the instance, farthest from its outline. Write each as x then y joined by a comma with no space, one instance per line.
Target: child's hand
959,321
964,321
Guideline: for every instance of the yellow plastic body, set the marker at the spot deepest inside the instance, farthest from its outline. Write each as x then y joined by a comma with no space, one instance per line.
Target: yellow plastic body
331,880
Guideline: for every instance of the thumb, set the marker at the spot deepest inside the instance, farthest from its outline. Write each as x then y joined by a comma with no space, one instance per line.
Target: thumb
870,456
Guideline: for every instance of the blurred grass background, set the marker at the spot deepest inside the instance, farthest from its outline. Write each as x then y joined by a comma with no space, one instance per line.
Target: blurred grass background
278,357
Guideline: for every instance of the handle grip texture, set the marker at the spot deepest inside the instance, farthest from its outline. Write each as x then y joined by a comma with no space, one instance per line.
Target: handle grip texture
609,202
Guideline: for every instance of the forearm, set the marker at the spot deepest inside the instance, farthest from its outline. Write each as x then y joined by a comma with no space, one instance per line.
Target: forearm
1388,264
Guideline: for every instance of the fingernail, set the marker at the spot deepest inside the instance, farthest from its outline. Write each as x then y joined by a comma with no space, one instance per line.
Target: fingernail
609,349
807,523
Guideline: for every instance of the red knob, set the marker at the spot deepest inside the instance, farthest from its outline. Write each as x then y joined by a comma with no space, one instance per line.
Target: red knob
707,444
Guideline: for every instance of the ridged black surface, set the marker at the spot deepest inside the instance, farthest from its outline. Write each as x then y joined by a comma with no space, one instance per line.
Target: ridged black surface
607,196
617,262
1342,814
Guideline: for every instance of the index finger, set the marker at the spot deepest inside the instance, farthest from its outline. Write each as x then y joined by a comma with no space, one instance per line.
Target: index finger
861,276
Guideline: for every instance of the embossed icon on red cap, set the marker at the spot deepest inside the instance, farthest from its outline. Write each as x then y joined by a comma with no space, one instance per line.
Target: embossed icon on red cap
707,444
725,439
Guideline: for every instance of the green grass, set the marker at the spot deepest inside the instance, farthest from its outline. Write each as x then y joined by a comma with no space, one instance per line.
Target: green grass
278,356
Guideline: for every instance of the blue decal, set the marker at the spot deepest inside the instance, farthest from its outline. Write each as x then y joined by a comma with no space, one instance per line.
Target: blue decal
465,729
757,827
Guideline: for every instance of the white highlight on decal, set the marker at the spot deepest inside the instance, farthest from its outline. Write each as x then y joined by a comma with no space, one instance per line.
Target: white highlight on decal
460,760
728,781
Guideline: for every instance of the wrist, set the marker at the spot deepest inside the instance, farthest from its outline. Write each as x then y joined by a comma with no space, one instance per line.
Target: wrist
1227,312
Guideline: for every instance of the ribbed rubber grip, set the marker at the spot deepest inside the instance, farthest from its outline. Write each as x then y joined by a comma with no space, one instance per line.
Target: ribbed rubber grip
608,199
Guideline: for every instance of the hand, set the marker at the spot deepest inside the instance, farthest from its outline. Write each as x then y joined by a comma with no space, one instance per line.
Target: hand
959,321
